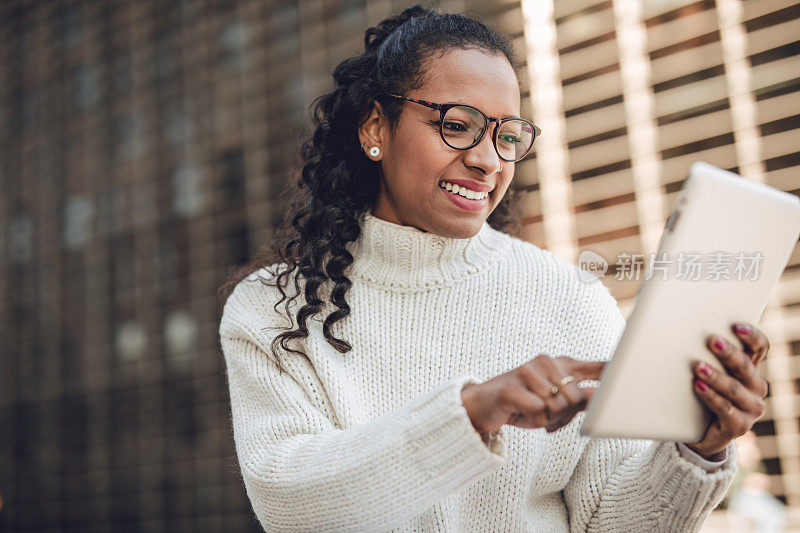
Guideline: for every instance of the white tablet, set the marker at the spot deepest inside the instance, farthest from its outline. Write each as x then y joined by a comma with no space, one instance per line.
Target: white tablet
723,249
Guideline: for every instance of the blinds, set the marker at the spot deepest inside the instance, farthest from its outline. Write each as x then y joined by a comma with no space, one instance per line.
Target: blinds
712,81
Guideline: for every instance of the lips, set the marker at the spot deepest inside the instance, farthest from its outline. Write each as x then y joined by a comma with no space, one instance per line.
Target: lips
465,203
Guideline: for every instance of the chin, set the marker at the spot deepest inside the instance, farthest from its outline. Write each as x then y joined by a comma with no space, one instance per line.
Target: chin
462,230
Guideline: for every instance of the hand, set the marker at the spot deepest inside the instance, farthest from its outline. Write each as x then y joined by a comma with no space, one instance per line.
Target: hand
736,397
521,397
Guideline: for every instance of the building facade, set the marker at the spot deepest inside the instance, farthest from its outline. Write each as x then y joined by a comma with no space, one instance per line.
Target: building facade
145,149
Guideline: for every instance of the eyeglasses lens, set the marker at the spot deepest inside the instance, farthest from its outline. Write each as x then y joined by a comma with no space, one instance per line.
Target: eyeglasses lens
462,126
514,139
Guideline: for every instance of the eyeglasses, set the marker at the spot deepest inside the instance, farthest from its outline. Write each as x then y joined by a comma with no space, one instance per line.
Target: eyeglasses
462,126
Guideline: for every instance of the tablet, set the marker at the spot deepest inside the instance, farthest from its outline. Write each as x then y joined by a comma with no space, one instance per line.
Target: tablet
724,247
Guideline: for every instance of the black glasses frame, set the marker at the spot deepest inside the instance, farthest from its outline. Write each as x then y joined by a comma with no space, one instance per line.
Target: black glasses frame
444,108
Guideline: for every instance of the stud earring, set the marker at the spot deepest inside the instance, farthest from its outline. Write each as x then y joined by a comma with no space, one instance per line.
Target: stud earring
374,151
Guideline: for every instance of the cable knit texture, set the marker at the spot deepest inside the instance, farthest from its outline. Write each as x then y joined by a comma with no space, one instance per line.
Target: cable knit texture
377,439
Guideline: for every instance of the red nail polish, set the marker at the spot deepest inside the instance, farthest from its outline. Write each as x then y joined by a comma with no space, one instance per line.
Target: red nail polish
742,329
719,344
705,369
700,385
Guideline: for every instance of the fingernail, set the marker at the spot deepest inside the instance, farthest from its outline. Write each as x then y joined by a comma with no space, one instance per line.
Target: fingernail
720,344
705,369
742,329
700,385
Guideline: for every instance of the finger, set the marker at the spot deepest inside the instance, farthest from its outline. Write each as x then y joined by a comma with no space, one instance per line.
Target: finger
567,395
582,369
732,422
557,372
730,388
740,365
530,409
734,359
588,393
535,379
753,339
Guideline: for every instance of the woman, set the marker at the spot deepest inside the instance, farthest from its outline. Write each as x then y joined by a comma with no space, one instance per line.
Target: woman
414,402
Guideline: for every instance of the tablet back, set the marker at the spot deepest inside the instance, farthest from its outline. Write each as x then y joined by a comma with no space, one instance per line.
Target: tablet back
723,250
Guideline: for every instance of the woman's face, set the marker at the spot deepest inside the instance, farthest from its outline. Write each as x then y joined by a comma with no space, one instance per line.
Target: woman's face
415,159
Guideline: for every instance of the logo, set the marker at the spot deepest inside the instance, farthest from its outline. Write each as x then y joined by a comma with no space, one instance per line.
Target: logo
592,266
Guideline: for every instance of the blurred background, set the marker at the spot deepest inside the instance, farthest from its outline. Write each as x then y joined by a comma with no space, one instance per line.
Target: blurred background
144,150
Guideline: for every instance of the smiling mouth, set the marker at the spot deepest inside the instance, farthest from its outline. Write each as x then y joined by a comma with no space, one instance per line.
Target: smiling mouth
463,191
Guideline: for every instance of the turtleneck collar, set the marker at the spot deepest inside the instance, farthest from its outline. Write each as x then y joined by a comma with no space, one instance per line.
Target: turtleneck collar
406,258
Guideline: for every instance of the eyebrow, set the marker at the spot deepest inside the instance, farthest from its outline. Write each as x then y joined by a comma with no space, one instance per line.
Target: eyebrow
472,105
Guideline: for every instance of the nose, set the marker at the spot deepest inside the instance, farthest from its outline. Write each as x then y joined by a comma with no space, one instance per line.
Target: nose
484,155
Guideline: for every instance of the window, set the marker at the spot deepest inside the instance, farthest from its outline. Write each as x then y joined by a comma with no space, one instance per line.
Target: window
187,190
123,270
20,238
130,341
86,85
165,63
110,209
77,228
233,180
128,135
167,266
122,74
69,25
178,128
233,41
236,243
181,335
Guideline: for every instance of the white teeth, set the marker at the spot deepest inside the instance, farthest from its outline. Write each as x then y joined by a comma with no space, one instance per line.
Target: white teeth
463,191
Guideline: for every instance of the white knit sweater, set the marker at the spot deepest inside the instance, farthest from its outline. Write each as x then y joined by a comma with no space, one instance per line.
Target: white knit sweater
377,438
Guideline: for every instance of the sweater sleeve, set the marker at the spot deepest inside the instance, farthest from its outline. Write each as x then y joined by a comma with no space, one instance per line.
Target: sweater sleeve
302,472
693,457
642,485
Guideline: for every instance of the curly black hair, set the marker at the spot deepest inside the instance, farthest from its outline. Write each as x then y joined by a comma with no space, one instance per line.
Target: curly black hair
337,184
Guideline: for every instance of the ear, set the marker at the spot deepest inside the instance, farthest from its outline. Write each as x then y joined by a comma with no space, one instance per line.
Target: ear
374,130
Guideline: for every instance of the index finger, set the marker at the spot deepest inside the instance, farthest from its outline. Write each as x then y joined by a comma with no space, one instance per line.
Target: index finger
581,370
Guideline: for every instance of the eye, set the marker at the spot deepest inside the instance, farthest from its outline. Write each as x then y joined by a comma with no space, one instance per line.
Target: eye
510,138
455,127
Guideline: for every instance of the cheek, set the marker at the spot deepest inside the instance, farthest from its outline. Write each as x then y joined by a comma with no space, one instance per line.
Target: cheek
504,182
421,158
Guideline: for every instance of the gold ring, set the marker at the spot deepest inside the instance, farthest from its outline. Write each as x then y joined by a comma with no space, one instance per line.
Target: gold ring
553,390
568,379
731,410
